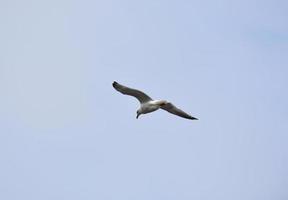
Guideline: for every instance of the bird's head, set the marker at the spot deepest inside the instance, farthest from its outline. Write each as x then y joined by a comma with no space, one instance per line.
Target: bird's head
138,113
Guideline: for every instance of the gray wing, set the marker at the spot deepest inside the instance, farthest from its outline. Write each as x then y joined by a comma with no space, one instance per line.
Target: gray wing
141,96
176,111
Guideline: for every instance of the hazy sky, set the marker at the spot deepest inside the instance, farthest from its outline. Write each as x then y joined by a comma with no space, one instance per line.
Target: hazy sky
65,133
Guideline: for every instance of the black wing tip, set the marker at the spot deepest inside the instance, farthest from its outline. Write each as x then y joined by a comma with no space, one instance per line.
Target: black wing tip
114,83
193,118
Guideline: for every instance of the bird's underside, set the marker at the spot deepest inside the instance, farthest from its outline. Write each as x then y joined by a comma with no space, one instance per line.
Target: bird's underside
148,104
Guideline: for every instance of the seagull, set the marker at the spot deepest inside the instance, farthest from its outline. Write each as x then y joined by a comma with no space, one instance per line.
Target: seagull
147,104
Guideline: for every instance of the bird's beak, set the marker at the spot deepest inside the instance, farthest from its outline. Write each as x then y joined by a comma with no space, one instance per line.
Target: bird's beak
137,116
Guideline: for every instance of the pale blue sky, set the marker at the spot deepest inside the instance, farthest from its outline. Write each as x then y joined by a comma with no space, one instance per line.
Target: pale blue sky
66,134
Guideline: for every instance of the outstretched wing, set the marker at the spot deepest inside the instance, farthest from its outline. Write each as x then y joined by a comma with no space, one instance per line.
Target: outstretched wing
176,111
141,96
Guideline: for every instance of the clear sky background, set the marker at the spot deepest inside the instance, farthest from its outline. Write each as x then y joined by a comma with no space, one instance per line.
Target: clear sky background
65,133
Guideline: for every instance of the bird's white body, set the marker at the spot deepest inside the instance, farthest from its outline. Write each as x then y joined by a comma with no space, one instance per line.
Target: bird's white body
151,106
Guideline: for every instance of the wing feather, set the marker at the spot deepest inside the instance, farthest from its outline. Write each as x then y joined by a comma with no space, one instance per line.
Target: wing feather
141,96
169,107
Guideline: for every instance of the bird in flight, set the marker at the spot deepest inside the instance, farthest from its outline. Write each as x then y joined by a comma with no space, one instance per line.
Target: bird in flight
148,104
